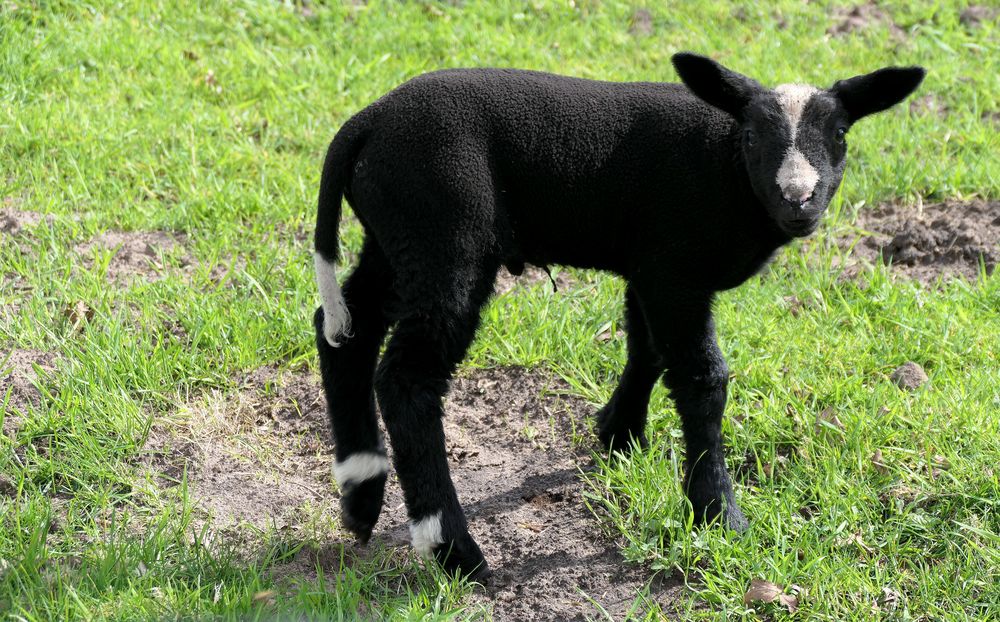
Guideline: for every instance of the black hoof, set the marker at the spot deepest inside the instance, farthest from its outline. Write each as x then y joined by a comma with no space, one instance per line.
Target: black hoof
624,442
361,505
463,557
731,517
734,519
615,436
621,439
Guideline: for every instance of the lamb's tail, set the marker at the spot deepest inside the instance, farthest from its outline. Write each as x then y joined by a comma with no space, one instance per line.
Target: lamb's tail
336,175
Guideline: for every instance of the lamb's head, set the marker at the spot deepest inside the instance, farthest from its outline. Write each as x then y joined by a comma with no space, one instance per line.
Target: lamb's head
793,137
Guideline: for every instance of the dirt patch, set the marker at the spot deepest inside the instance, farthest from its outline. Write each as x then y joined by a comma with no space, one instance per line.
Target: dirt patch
929,104
263,458
12,221
975,14
532,275
516,467
17,287
909,376
148,255
257,458
142,254
851,20
17,375
13,239
641,23
943,239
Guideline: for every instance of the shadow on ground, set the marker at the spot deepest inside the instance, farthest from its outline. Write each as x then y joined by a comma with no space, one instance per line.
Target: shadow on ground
517,445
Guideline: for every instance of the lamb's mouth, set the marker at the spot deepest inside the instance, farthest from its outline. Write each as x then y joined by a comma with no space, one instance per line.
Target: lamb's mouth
799,227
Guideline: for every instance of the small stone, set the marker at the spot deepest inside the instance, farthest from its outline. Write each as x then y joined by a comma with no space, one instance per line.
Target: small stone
909,376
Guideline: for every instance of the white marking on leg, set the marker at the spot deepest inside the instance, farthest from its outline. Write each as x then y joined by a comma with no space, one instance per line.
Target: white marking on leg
336,319
796,177
426,535
360,467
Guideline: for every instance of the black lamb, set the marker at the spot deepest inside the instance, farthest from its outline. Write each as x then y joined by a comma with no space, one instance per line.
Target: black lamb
682,190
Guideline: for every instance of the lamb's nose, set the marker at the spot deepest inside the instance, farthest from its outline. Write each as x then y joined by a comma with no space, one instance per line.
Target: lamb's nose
798,200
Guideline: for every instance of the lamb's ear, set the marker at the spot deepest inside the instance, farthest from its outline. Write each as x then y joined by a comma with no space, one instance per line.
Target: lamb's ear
876,91
723,88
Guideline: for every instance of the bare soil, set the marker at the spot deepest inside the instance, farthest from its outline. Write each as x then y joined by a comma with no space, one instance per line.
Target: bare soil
641,23
134,253
940,240
929,104
258,458
517,444
850,20
17,375
13,223
516,466
532,275
147,255
12,220
974,15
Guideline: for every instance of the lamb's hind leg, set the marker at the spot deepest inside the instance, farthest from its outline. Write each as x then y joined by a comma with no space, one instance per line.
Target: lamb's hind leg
348,370
622,421
412,378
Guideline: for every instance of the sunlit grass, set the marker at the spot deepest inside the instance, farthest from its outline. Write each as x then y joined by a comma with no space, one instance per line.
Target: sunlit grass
210,121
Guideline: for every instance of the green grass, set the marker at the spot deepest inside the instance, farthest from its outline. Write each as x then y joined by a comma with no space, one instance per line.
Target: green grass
109,120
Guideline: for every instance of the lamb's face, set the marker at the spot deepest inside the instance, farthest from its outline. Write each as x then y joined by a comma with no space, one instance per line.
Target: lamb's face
793,136
794,146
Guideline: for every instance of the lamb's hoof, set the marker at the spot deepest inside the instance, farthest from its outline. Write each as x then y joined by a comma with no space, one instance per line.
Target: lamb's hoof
735,520
360,507
616,436
463,557
620,439
731,518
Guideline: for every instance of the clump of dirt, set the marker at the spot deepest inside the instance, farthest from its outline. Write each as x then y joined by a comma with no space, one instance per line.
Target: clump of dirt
929,104
976,14
263,458
861,17
909,376
943,239
7,489
135,253
12,221
148,255
16,286
17,375
12,225
641,23
532,275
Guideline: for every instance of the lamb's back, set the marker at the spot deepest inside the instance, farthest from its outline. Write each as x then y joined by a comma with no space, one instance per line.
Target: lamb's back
545,123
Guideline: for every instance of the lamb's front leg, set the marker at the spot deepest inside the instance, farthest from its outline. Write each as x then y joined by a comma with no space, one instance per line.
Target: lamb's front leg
697,377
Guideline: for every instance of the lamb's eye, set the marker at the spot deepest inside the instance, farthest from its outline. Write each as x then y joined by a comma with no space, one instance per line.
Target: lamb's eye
839,136
750,137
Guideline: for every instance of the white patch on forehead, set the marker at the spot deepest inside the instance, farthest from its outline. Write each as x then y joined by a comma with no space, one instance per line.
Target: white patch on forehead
793,98
796,177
